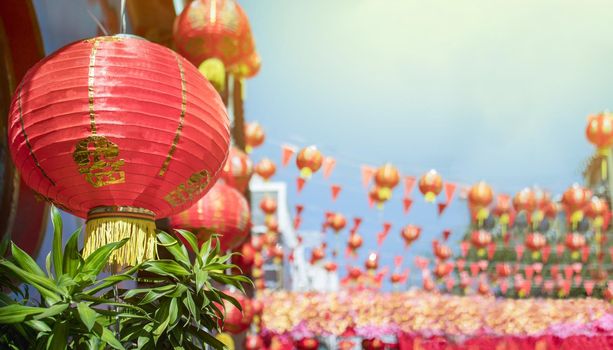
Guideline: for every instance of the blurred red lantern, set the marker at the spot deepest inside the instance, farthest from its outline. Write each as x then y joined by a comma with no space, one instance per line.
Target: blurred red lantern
608,294
258,261
257,243
428,284
551,209
375,196
442,252
222,211
266,169
330,266
84,134
430,185
307,344
541,198
410,233
268,205
234,320
575,241
597,207
272,224
246,258
396,278
386,178
599,130
442,269
254,136
484,288
480,195
355,241
308,160
355,273
503,270
372,262
258,307
248,67
337,222
260,284
254,342
373,344
480,239
535,241
317,254
276,253
503,205
271,239
524,200
238,169
576,197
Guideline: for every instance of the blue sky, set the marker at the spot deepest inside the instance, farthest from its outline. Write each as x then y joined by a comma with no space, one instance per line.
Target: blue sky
480,90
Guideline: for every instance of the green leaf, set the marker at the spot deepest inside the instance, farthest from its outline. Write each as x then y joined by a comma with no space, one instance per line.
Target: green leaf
48,265
165,267
211,340
59,337
44,285
201,278
231,299
56,247
174,247
173,314
72,258
162,318
4,246
16,313
190,238
189,303
161,290
96,261
52,311
25,261
110,281
107,336
87,314
39,326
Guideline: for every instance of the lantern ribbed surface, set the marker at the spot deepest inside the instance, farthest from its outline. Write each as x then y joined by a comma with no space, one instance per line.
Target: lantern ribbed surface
223,211
120,128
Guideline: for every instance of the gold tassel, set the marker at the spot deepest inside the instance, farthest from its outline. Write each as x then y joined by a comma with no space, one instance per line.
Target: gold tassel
112,224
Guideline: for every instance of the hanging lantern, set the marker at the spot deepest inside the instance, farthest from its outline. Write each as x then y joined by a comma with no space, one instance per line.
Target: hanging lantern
330,266
223,211
483,288
373,344
266,169
372,262
308,160
524,200
317,254
535,242
442,252
310,343
430,185
337,222
396,278
575,200
480,240
254,136
254,342
428,284
247,68
503,270
574,242
375,197
276,253
355,241
215,35
598,210
257,243
237,321
480,195
410,233
238,169
272,224
245,259
386,178
442,269
599,131
354,273
85,135
503,206
268,205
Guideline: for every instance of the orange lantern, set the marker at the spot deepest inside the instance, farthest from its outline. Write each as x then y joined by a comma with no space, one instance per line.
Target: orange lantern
386,178
272,224
238,170
106,127
254,136
396,278
257,243
430,185
442,269
428,284
246,258
248,67
597,207
317,254
222,211
442,252
535,241
524,200
503,270
480,239
266,169
337,222
480,195
373,344
254,342
410,233
355,241
268,205
276,253
575,200
375,196
372,262
330,266
503,206
484,288
599,130
309,160
575,241
354,273
307,344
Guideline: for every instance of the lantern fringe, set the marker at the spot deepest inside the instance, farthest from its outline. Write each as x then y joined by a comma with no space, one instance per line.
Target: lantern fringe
141,246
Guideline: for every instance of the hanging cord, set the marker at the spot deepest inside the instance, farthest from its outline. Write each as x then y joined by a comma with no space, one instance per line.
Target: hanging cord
98,23
122,29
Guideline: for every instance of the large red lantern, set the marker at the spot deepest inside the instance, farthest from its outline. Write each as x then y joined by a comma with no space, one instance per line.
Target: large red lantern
410,233
214,29
599,130
430,185
480,239
222,211
237,321
309,160
238,169
307,344
373,344
266,169
386,178
354,273
480,195
337,222
120,131
524,200
254,136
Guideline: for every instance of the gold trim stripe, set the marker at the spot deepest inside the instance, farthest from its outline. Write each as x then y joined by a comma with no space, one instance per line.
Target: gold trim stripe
175,141
25,136
90,85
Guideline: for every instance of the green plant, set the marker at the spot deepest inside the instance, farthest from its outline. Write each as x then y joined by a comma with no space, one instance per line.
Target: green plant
78,309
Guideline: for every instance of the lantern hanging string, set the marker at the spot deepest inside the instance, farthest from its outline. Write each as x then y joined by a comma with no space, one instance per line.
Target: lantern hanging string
122,30
98,23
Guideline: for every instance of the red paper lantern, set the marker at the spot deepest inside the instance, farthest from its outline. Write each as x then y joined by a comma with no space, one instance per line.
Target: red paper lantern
442,252
307,344
480,195
597,207
258,307
354,273
246,258
503,270
443,269
254,342
575,241
373,344
430,185
248,67
337,222
535,241
260,284
257,243
386,178
222,211
484,288
524,200
599,130
396,278
254,136
355,241
238,170
266,169
410,233
541,198
268,205
272,224
330,266
276,253
503,206
235,321
317,254
480,239
372,262
428,284
214,29
575,198
120,131
309,160
375,196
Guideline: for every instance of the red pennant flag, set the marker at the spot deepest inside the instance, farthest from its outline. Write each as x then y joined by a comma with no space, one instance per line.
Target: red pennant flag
335,189
548,286
504,286
464,247
577,267
367,174
409,183
406,204
300,239
538,267
460,263
554,271
449,191
519,250
441,208
290,258
577,280
356,224
560,249
589,287
300,184
380,238
328,165
483,264
474,269
585,253
287,152
387,226
529,272
371,202
450,283
538,279
526,287
383,234
446,234
299,209
491,249
297,222
421,262
546,251
568,272
398,260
